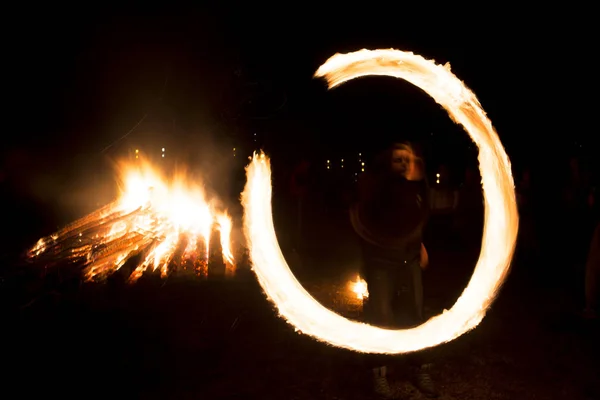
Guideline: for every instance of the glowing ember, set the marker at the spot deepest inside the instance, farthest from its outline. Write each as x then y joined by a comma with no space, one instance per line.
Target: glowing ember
500,231
156,217
359,287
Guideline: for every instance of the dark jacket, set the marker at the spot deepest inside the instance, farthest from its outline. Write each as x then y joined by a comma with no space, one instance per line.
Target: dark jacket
391,212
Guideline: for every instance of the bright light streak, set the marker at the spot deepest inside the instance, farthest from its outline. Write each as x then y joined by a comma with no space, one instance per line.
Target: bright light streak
297,306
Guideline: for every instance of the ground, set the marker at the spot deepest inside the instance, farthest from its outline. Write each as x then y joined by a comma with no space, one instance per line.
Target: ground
183,338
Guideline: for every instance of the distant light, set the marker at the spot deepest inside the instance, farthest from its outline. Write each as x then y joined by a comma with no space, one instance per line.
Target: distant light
359,154
163,149
137,151
328,161
328,167
363,164
163,156
342,160
362,170
437,181
234,149
437,175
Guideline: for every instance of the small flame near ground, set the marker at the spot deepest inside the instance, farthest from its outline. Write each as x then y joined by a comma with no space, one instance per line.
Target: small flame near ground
359,288
166,220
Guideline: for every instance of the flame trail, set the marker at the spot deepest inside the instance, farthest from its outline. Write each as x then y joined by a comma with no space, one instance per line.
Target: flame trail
500,231
153,216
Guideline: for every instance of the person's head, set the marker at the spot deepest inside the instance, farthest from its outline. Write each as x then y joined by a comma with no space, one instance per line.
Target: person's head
405,162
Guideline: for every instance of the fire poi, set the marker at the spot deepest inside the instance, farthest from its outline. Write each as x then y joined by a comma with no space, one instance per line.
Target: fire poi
159,217
297,306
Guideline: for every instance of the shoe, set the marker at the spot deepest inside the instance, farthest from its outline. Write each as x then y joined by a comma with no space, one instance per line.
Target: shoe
381,386
425,384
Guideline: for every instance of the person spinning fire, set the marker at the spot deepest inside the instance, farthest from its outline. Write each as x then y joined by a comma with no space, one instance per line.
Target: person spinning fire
389,218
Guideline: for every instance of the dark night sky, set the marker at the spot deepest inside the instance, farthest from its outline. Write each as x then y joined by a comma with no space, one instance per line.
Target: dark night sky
77,84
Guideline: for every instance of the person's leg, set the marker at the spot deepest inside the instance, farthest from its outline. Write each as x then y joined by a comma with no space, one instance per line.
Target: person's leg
411,300
378,312
409,303
380,284
378,306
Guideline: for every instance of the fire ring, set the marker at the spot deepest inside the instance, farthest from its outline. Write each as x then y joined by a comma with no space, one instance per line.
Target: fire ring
308,316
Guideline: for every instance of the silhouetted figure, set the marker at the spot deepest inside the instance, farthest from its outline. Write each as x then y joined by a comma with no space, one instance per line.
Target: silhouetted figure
444,196
592,276
575,232
528,240
443,201
576,205
469,209
389,219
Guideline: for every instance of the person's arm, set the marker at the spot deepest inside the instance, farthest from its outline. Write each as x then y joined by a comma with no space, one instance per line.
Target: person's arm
424,259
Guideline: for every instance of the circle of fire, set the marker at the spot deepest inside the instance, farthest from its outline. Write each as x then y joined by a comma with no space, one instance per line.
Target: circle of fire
300,309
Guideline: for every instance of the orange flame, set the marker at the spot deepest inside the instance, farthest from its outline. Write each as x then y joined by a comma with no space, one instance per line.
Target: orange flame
359,287
153,215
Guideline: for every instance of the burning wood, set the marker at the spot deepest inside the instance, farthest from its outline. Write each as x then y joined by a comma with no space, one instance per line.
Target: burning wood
153,216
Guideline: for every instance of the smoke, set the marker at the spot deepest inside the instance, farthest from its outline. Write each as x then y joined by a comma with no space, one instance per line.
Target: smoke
198,154
214,161
28,174
65,187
